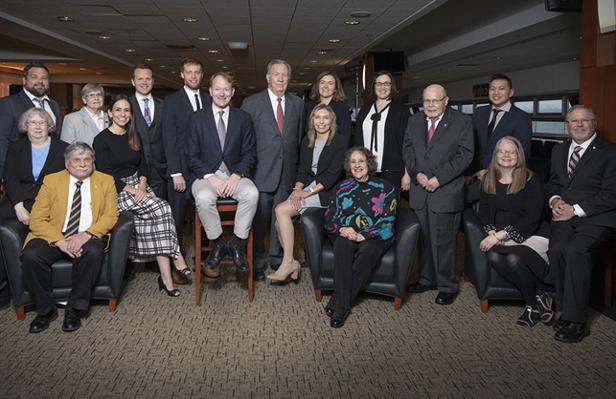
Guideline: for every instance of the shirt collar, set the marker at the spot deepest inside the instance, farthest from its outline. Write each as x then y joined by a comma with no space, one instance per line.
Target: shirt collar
585,144
140,97
32,96
216,109
190,91
505,107
272,96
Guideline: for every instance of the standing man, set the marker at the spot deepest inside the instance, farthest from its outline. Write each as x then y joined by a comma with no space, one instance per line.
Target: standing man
177,111
220,154
147,114
583,201
74,210
278,119
35,82
497,120
438,147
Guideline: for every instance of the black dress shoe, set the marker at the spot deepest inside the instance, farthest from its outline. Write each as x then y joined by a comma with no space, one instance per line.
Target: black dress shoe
329,308
417,288
560,323
72,320
572,332
235,249
258,275
338,318
218,252
445,298
41,322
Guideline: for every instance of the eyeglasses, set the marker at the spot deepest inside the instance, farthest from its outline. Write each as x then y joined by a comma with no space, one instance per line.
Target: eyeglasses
432,102
36,123
94,95
382,84
507,153
578,121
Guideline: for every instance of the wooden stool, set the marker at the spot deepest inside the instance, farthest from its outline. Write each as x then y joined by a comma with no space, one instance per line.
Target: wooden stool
224,206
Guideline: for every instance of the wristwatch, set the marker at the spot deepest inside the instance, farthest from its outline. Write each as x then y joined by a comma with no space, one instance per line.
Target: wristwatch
311,189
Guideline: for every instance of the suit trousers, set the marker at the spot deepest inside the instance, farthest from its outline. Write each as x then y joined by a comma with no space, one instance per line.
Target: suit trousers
37,258
354,264
265,222
247,196
572,245
157,182
179,203
437,248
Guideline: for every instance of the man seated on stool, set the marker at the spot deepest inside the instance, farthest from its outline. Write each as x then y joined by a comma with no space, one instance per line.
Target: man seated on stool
73,211
220,154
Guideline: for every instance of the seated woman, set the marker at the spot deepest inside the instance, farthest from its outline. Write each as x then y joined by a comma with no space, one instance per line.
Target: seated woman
119,153
360,219
320,165
511,210
28,161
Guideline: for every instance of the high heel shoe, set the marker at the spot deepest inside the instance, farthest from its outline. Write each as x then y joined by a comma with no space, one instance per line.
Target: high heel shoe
291,275
184,272
162,287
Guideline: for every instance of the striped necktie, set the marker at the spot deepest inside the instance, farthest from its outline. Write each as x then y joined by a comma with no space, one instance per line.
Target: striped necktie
72,227
573,160
146,112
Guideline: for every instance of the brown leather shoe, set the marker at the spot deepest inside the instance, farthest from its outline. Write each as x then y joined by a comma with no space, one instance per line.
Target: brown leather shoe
179,279
209,272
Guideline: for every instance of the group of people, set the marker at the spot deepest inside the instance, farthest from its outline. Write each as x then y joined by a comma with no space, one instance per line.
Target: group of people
277,156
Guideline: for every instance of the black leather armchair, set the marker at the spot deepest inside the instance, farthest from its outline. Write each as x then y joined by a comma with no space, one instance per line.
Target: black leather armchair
390,278
12,236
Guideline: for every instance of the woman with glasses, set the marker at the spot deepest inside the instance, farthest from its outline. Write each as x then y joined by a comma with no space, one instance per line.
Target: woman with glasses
28,161
90,120
511,211
380,127
327,89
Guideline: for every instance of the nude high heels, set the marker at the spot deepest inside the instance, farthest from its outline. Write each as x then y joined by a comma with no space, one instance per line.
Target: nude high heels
291,275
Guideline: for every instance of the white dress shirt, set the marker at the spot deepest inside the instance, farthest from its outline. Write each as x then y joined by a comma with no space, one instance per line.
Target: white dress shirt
85,220
274,100
46,104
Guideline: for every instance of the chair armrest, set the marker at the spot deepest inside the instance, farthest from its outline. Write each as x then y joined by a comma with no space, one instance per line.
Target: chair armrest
313,227
12,236
118,250
475,262
407,233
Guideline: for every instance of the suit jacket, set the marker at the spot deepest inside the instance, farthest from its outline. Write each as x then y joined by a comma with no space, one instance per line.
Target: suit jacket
446,156
593,183
176,117
343,117
203,152
277,154
50,207
395,125
329,167
18,180
151,137
79,126
11,109
516,123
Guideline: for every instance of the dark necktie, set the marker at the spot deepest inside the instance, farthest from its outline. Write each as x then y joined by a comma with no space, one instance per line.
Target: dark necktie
431,129
146,111
197,102
493,121
222,133
72,227
280,116
40,102
573,160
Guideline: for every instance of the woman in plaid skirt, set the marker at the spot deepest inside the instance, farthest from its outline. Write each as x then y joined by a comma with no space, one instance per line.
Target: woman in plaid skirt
118,153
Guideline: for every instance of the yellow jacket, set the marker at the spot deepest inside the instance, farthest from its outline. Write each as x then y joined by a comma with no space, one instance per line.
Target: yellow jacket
51,204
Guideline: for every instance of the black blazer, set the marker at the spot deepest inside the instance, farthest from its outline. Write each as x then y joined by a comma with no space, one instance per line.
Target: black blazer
593,183
19,182
343,117
329,167
202,149
176,116
151,137
11,109
395,127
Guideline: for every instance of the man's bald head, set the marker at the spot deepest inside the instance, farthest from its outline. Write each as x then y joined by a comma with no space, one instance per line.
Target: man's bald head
435,100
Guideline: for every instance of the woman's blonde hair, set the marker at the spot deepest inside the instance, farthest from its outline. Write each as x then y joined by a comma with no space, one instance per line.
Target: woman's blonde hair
312,134
521,174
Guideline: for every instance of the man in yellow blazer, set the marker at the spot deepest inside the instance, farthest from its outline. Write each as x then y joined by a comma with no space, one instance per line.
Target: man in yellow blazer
74,210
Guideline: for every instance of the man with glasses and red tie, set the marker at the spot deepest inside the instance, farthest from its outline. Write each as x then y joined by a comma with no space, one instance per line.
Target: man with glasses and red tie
438,147
582,196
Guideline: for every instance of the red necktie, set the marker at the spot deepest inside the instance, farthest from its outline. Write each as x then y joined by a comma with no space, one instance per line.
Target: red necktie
431,129
280,116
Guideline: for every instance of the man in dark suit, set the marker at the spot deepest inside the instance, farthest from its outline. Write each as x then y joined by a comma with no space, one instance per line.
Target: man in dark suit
582,193
147,113
278,120
497,120
221,153
438,147
177,111
73,211
35,82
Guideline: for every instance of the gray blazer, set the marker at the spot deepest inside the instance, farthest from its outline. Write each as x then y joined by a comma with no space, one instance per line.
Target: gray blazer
277,155
79,126
446,156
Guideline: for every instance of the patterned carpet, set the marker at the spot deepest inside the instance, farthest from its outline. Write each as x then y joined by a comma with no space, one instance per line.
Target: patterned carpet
281,346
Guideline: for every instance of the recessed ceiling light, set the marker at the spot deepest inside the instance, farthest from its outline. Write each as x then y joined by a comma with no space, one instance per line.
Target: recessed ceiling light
361,14
65,19
190,20
104,37
130,50
301,73
307,68
149,59
164,66
203,38
351,22
313,61
174,72
220,60
212,51
322,52
334,40
225,67
238,45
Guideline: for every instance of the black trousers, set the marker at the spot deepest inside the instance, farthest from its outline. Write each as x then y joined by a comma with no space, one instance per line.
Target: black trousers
158,182
179,203
355,262
37,258
264,223
572,245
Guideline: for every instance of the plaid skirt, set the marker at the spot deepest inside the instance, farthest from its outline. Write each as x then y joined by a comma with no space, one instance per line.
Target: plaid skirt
154,232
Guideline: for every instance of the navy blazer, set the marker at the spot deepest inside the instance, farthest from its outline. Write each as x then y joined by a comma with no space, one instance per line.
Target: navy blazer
343,117
151,137
516,123
176,116
593,183
11,109
202,148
